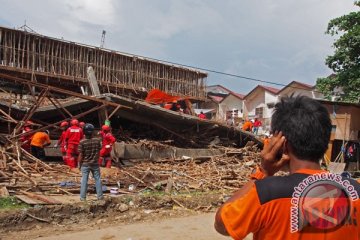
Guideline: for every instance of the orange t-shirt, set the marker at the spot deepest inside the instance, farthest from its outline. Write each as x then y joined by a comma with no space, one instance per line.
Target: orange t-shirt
39,139
268,211
247,126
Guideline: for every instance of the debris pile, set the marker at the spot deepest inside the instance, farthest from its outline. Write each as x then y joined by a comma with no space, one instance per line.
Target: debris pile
228,171
38,180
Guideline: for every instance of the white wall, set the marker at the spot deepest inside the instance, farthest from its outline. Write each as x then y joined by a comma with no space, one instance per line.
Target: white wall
231,102
269,98
257,100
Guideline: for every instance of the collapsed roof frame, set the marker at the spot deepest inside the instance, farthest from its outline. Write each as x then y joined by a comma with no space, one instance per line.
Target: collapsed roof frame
56,61
46,92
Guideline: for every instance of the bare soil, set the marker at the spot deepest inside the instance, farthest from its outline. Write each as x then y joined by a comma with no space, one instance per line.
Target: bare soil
197,227
139,216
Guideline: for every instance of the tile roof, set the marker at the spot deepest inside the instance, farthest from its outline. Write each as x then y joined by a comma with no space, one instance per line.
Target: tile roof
216,99
238,95
303,86
269,89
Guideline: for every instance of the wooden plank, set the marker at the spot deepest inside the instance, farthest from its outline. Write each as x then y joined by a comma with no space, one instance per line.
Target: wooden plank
42,198
29,200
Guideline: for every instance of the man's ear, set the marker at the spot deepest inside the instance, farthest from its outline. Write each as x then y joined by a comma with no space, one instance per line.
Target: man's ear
286,154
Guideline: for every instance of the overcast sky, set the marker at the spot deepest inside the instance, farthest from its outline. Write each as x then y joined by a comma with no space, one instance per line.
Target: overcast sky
273,40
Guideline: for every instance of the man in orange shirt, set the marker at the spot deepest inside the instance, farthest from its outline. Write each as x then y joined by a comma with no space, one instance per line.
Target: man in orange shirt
38,142
247,126
310,203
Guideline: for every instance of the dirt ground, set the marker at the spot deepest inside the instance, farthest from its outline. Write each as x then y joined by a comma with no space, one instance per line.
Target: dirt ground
128,217
199,227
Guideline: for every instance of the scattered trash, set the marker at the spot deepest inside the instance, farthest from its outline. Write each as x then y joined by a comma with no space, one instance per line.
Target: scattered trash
131,187
114,191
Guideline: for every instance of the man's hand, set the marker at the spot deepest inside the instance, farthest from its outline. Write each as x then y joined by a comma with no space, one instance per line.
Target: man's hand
272,155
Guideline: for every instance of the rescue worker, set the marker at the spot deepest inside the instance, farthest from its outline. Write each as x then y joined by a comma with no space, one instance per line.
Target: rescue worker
202,115
38,141
26,139
309,203
247,126
174,106
89,149
73,136
61,142
107,141
82,124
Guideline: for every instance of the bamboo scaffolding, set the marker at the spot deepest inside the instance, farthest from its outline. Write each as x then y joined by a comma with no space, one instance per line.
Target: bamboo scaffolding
25,52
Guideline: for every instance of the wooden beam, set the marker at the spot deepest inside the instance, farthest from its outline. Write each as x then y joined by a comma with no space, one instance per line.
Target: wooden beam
54,124
59,90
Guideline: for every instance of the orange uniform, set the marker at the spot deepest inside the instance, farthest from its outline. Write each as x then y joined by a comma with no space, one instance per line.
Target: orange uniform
247,126
266,211
39,139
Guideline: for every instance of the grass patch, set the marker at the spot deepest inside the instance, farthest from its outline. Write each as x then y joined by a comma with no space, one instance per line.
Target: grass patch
9,203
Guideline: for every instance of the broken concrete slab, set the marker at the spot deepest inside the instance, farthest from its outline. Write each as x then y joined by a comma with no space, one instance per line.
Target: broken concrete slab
139,151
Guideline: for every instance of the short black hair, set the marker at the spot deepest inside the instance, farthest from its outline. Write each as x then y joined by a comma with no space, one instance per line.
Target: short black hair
306,125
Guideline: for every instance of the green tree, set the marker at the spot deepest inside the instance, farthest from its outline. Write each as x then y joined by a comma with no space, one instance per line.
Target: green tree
346,59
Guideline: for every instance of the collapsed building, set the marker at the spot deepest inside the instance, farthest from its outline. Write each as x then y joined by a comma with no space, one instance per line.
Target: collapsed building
49,80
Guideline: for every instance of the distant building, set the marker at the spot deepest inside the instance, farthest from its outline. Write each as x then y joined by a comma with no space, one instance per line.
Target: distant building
297,88
260,102
227,104
345,119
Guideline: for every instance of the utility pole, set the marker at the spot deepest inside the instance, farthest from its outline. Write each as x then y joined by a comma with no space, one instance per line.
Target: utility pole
102,39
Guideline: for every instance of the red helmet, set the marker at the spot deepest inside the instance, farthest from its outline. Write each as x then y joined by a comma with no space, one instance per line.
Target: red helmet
105,128
81,124
74,122
64,124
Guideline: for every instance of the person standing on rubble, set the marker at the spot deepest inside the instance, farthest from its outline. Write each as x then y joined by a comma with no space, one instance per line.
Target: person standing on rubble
38,141
310,203
89,150
73,136
247,126
107,141
61,142
257,124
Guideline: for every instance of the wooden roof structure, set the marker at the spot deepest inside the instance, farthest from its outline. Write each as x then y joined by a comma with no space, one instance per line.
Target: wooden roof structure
64,64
